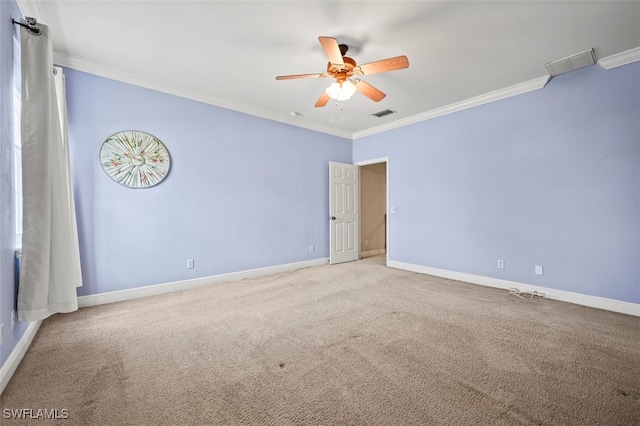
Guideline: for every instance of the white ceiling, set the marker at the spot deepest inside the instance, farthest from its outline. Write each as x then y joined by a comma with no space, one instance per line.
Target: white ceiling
228,53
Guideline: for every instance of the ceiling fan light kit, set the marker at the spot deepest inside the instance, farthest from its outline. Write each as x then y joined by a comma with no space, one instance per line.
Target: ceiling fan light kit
341,91
342,68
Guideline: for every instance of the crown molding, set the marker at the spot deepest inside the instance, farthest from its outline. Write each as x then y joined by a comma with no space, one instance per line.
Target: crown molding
496,95
66,61
619,59
30,8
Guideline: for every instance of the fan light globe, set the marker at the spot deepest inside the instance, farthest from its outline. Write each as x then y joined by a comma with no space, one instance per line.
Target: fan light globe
333,90
341,91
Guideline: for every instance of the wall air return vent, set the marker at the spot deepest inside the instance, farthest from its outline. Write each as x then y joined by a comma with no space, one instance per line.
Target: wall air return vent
570,63
383,113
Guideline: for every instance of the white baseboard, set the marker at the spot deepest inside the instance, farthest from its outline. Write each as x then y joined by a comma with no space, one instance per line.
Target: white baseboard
152,290
372,253
11,364
564,296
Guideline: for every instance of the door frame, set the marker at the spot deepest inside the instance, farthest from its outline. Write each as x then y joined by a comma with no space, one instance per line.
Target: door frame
367,163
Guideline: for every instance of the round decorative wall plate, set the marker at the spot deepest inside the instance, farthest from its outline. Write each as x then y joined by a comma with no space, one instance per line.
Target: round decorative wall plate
135,159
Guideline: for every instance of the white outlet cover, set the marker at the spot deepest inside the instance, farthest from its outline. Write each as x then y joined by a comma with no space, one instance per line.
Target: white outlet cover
538,269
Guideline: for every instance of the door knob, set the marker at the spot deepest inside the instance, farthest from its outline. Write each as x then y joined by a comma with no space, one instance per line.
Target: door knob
333,218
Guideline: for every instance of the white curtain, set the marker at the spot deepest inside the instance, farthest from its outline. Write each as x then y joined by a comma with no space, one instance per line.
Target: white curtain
50,263
61,99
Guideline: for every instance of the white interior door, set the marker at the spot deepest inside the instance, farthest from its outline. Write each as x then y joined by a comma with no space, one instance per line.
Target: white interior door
344,228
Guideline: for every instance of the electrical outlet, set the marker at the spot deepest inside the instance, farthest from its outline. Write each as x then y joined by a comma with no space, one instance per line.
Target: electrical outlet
538,269
189,263
366,242
13,319
311,248
500,264
1,333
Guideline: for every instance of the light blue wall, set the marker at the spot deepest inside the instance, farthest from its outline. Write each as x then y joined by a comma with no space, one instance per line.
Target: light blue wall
243,192
8,10
547,178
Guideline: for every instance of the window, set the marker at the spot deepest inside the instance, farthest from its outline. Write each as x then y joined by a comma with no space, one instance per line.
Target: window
17,143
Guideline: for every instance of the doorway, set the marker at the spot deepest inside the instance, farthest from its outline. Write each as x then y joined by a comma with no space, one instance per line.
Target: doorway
374,223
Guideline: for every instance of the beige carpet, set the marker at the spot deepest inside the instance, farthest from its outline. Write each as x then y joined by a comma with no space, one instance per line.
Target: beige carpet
356,344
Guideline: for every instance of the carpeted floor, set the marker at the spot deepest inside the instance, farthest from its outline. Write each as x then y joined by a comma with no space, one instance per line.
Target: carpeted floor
353,344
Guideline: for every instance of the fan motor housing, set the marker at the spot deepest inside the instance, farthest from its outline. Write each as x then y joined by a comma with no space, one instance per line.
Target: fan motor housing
344,72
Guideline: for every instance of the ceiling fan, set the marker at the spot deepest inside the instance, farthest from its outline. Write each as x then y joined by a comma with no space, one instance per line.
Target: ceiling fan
342,68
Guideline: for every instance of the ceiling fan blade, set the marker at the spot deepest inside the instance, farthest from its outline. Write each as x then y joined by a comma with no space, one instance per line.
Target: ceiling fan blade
369,91
332,50
391,64
322,100
291,77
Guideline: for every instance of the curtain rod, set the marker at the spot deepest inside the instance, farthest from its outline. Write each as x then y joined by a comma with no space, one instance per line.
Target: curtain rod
31,25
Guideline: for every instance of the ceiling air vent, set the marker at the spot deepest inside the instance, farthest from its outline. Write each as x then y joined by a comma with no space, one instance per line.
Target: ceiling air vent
383,113
570,63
